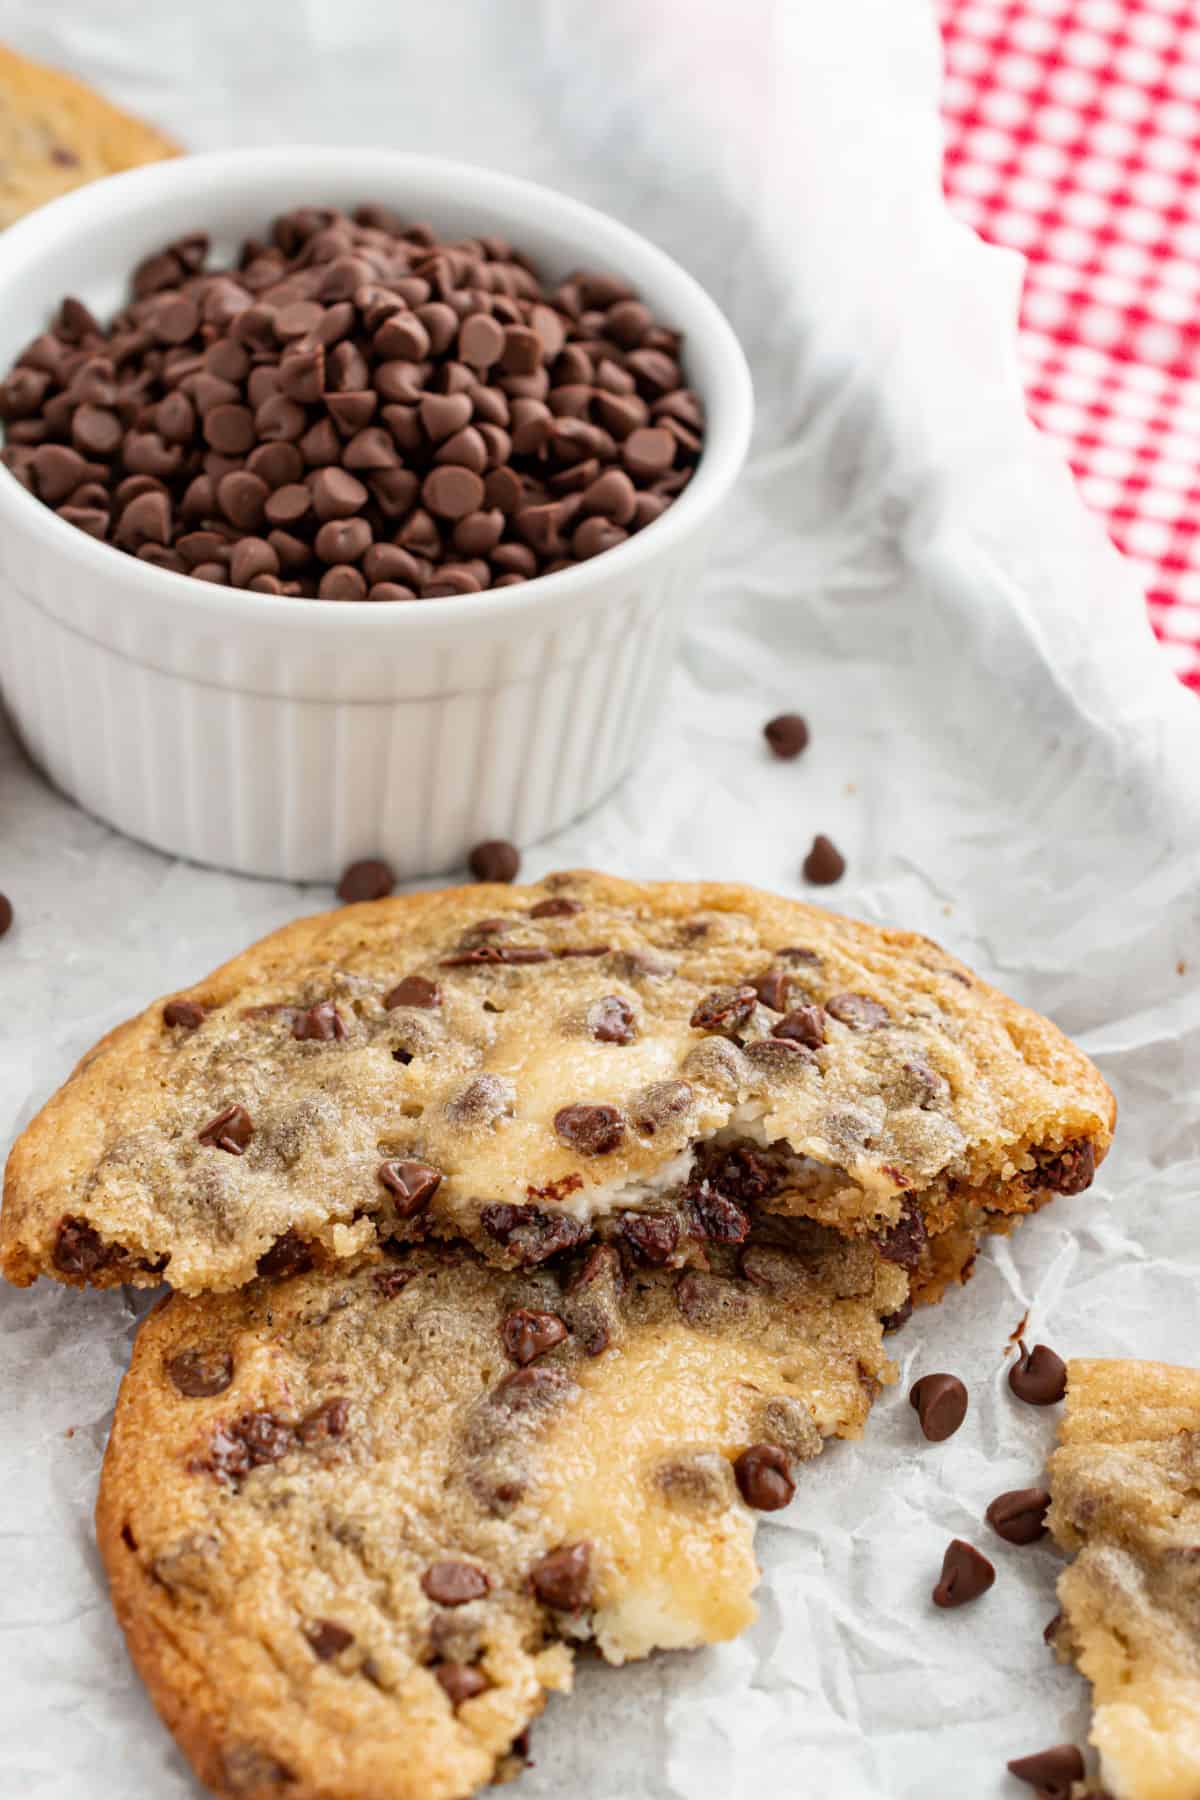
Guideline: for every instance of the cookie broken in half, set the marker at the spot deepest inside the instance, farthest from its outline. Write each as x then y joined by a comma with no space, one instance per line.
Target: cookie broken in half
536,1068
355,1520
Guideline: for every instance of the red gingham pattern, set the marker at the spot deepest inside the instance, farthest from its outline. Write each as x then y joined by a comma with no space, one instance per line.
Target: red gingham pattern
1073,135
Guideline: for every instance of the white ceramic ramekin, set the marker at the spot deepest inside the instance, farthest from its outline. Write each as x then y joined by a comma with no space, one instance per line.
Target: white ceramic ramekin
284,737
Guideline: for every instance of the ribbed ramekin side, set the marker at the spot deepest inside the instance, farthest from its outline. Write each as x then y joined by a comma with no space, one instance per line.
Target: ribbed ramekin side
277,785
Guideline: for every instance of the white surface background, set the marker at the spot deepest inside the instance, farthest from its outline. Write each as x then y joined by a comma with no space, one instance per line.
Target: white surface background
996,744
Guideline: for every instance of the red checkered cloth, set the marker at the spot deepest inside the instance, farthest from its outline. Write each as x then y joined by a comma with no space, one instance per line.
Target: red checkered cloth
1073,135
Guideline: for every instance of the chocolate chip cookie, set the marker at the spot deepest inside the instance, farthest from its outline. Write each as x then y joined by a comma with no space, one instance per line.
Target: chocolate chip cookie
533,1069
355,1520
1125,1486
55,134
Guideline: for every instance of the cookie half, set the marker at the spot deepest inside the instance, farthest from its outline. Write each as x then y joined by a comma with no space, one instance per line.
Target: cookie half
56,133
528,1068
1125,1487
354,1521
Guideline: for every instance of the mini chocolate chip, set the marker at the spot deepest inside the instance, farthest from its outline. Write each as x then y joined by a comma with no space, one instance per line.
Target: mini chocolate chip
558,908
461,1681
288,1255
858,1011
229,429
966,1574
329,1420
198,1374
386,591
413,1185
741,1172
612,1020
893,1321
455,1583
368,880
803,1025
497,953
321,1024
452,492
342,582
1019,1517
531,1234
80,1250
336,494
327,1638
648,452
726,1010
188,1013
231,1130
527,1334
494,860
57,471
824,863
764,1477
245,1769
242,498
342,540
787,736
654,1237
611,495
772,989
714,1217
904,1242
486,928
1070,1171
562,1578
1052,1772
250,1442
414,990
1039,1376
940,1402
593,1130
444,414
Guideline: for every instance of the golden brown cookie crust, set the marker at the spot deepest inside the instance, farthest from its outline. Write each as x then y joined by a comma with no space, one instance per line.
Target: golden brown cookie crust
56,133
1125,1486
928,1083
227,1574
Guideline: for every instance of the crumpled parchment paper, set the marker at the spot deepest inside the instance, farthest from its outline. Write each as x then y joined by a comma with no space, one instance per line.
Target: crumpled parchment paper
997,746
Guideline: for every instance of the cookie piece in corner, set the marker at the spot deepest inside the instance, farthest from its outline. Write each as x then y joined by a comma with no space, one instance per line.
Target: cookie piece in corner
1125,1487
530,1067
355,1520
56,133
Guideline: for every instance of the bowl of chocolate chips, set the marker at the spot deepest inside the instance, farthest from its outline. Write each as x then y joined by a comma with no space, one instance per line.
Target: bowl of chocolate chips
350,504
